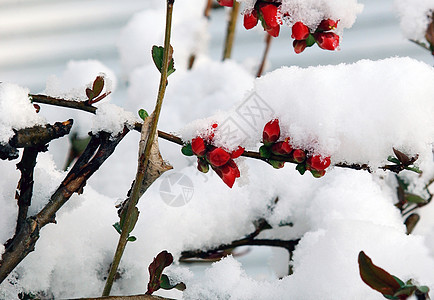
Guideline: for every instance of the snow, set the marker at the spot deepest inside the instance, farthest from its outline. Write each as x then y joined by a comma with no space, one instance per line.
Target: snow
346,111
415,17
353,112
16,111
112,118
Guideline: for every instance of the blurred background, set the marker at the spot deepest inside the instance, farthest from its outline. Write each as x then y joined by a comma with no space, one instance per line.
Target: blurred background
38,38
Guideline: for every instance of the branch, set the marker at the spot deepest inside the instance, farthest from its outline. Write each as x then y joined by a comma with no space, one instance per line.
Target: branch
25,185
264,56
230,34
38,136
100,147
80,105
8,152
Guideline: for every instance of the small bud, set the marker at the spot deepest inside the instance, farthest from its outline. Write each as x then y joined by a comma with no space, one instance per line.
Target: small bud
318,163
202,165
317,173
198,146
277,164
299,46
271,132
281,148
327,40
298,155
250,19
300,31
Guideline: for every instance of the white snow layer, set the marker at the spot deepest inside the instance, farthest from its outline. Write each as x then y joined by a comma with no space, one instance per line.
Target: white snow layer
354,112
415,17
112,118
312,12
16,111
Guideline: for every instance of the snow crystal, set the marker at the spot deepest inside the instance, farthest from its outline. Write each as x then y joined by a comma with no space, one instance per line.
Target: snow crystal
16,111
356,113
112,118
415,17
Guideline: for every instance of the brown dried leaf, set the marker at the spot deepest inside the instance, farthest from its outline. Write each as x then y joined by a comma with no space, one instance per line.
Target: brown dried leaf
404,159
161,261
98,85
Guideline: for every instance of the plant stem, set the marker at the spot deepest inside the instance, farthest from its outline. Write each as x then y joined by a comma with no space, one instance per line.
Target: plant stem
230,34
264,57
144,157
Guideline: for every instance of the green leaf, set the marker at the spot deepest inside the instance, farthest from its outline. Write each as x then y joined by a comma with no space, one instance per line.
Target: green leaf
265,151
134,217
310,41
412,198
90,94
394,160
161,261
157,56
301,168
401,283
118,228
376,277
186,150
143,114
165,284
414,169
407,290
131,239
98,85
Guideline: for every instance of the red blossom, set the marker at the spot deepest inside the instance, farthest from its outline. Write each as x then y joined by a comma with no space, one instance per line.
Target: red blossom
218,157
250,19
327,25
318,162
228,172
300,31
271,132
198,146
299,155
281,148
269,14
299,46
237,153
228,3
327,40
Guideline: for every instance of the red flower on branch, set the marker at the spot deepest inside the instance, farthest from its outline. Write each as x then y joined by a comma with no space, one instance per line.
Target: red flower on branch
327,25
281,148
218,157
271,132
327,40
299,46
228,3
250,19
198,146
228,172
318,162
300,31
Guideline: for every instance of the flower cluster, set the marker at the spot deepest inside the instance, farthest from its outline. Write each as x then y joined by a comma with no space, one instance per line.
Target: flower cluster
220,160
305,160
322,35
270,16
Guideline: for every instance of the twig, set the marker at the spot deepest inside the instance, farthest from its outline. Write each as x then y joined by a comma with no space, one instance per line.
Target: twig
25,185
38,136
81,105
144,157
100,147
264,57
230,33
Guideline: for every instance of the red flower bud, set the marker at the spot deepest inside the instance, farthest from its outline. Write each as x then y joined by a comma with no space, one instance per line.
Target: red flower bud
299,155
277,164
198,146
202,165
327,40
318,173
237,153
299,46
318,163
228,3
327,25
281,148
300,31
218,157
250,19
271,132
269,14
228,172
273,31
